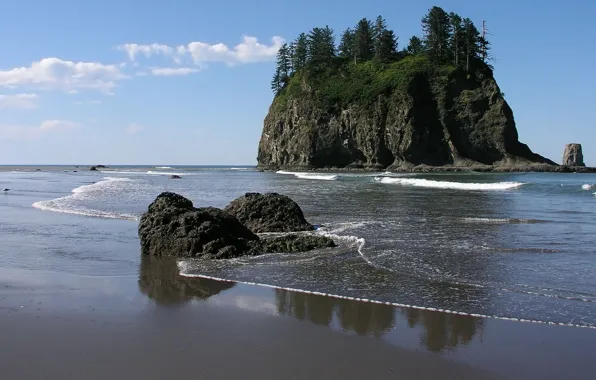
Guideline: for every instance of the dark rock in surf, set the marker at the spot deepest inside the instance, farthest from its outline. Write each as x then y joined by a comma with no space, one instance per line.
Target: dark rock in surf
269,212
172,226
175,177
93,168
295,243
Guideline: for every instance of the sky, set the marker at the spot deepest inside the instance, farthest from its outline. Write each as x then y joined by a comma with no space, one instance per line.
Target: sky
187,82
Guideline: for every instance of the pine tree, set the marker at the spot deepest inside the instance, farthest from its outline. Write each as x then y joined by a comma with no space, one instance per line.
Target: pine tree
276,81
378,32
284,62
321,45
457,34
363,40
471,42
387,47
415,46
300,52
436,27
346,44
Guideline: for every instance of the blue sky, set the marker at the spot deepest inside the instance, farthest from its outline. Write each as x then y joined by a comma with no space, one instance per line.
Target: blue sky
80,83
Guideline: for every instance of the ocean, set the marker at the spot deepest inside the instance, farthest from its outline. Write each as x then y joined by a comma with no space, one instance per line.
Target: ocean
518,246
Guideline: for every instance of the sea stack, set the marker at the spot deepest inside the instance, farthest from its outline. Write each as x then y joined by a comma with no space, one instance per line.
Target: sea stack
573,155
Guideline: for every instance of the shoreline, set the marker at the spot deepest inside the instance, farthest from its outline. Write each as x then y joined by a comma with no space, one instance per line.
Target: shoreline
230,330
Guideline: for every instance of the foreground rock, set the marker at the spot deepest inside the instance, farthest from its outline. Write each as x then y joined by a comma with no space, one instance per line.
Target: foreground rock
172,226
270,212
573,155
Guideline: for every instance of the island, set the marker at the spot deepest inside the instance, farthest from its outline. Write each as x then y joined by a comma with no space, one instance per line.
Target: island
367,105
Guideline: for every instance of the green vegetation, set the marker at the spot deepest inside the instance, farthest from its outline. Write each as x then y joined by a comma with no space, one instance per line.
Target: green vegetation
367,62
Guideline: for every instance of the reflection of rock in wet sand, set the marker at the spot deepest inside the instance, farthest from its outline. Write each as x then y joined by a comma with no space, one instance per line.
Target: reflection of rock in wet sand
363,318
443,330
160,280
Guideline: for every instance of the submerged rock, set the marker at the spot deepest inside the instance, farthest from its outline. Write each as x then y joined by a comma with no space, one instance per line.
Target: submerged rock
175,177
172,226
294,243
93,168
269,212
573,155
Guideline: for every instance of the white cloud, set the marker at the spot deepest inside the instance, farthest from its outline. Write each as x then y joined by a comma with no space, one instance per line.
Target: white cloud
168,71
147,50
134,128
89,102
68,76
26,101
16,132
250,50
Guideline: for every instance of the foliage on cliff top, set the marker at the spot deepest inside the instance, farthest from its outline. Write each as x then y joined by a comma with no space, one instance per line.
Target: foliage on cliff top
367,62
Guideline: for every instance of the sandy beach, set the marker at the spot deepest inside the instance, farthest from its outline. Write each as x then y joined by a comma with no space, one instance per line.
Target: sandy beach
161,325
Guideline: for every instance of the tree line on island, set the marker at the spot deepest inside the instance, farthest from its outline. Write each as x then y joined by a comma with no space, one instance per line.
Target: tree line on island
447,39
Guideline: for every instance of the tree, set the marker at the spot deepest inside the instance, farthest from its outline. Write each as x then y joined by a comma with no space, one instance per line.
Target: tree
346,44
276,81
300,52
415,46
387,46
457,33
436,27
378,33
471,42
284,62
363,40
321,45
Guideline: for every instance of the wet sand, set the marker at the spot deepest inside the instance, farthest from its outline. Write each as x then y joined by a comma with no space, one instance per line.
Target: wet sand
160,325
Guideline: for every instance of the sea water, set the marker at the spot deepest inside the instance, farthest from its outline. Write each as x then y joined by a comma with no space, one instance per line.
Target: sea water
507,245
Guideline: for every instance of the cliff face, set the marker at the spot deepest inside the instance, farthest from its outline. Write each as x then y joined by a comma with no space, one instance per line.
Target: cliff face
427,118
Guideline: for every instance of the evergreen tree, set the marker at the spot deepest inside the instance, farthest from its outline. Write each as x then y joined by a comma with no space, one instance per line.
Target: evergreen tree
284,62
436,27
471,42
379,31
346,44
276,81
300,52
387,47
415,46
321,45
363,40
485,49
457,37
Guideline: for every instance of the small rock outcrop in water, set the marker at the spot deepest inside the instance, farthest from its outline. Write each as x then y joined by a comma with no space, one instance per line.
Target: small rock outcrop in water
270,212
172,226
573,155
93,168
175,177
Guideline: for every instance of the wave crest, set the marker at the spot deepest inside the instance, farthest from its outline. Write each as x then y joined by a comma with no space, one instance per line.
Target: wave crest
302,175
427,183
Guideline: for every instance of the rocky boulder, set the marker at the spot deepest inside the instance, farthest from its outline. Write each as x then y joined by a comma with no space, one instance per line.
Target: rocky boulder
172,226
573,155
269,212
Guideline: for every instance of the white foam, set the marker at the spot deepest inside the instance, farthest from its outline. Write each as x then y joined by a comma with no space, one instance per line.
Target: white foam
587,187
504,220
358,241
182,266
64,204
303,175
150,172
420,182
163,167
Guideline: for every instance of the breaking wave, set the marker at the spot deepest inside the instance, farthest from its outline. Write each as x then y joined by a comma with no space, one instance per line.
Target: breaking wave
419,182
303,175
68,204
587,187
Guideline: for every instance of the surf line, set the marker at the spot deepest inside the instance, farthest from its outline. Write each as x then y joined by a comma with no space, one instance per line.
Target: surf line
395,304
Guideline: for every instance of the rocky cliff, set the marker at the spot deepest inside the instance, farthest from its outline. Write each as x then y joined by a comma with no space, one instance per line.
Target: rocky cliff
397,116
